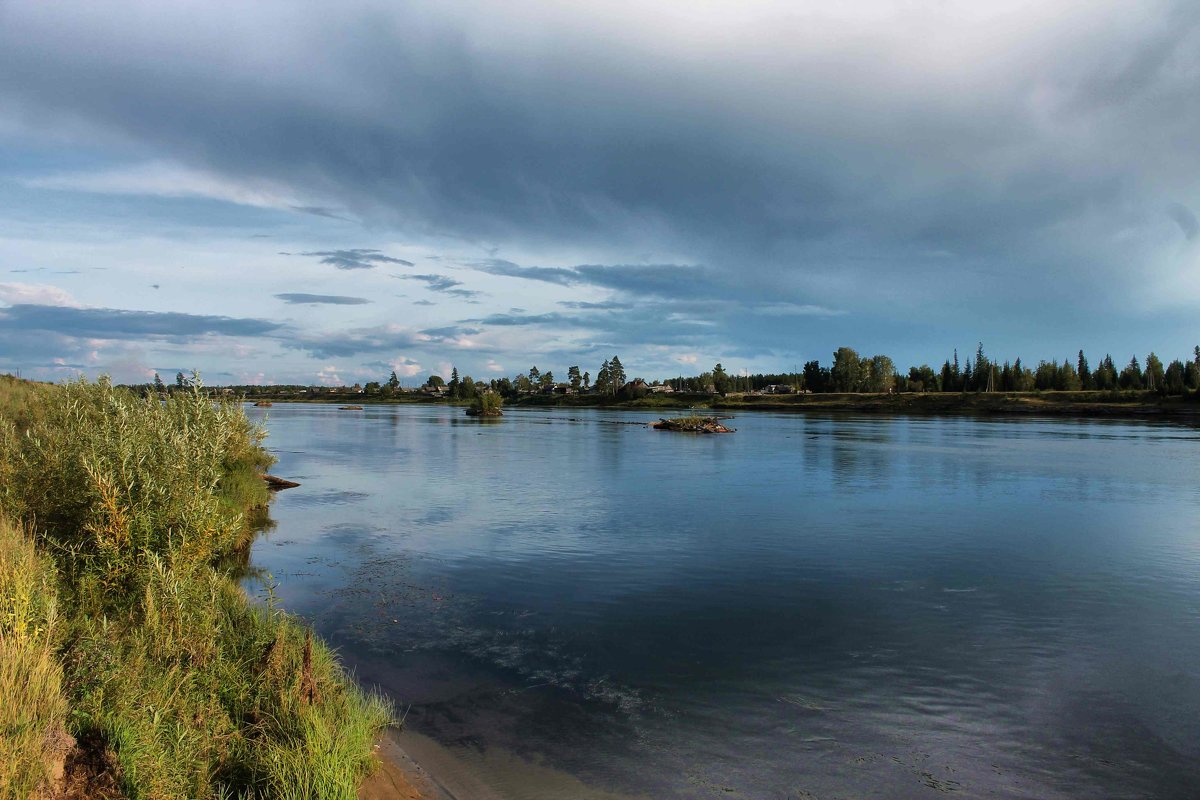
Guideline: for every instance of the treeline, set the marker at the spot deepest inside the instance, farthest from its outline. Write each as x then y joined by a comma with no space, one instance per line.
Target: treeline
850,372
610,379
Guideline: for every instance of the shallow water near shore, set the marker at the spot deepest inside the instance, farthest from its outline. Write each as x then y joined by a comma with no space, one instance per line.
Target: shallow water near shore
815,606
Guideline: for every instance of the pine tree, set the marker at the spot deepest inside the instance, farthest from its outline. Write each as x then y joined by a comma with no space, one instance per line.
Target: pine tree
1085,374
616,375
159,386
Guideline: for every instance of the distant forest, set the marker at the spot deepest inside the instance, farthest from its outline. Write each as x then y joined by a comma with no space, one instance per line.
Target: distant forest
848,372
851,372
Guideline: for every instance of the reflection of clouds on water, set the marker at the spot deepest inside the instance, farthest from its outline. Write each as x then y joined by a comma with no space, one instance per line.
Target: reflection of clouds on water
830,604
327,498
385,608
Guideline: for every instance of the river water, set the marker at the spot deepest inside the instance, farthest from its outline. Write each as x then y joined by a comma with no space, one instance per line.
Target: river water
816,606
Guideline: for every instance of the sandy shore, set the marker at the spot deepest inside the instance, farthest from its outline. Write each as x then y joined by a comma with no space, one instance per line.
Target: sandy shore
398,777
415,767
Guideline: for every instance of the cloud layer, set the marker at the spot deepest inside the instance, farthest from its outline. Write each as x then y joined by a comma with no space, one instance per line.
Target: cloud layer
657,175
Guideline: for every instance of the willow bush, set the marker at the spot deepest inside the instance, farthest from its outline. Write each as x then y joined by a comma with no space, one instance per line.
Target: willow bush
139,503
33,707
111,477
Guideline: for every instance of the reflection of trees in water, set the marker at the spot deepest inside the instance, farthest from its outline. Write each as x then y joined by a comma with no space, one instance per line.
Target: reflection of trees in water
236,563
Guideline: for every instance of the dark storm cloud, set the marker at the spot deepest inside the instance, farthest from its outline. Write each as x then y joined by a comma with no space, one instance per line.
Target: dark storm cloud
355,259
111,323
300,298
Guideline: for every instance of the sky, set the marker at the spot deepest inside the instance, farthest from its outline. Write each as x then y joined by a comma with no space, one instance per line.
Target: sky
321,193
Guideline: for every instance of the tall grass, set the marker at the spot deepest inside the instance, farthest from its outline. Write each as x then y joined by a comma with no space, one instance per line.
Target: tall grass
197,692
33,708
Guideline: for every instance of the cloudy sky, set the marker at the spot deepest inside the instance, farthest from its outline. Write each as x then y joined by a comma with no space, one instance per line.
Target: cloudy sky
304,192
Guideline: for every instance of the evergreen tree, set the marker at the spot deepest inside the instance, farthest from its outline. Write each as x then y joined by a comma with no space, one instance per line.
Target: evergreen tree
814,376
159,386
1154,373
587,380
1175,378
1131,376
947,377
574,378
1085,374
454,387
720,379
616,375
604,378
393,381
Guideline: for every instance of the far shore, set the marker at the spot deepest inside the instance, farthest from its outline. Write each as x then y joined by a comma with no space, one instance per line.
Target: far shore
1133,404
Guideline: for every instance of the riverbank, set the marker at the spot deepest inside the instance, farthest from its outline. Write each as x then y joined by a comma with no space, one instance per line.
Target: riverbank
1132,404
131,663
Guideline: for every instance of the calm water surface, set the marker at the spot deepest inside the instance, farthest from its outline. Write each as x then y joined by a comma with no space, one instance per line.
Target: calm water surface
816,606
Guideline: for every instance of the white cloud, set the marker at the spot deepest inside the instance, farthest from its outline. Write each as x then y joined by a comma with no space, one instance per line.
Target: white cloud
168,179
405,367
37,294
328,376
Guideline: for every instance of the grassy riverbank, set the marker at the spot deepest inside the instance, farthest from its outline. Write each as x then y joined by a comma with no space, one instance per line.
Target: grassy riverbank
131,663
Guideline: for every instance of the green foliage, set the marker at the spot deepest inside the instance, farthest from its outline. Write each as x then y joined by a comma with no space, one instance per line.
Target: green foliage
487,404
241,707
34,709
111,477
199,693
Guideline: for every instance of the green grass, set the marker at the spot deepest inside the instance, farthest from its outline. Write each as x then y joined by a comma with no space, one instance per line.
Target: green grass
140,507
33,712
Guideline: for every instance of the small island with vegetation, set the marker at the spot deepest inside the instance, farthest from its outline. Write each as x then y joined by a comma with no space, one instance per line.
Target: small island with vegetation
693,424
486,404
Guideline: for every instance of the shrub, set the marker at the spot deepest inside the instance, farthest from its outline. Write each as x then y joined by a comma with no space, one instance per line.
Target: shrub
162,658
33,710
112,478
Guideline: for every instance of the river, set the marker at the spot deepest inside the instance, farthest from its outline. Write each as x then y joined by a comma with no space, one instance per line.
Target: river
817,606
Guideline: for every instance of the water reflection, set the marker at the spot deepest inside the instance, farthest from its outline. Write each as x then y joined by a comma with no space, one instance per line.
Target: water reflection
822,604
